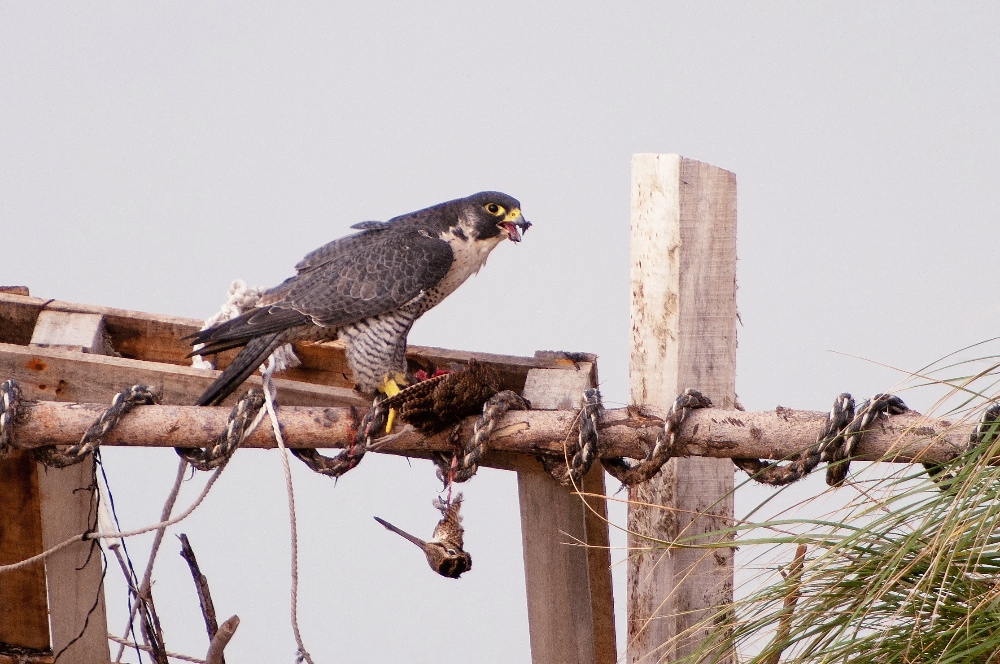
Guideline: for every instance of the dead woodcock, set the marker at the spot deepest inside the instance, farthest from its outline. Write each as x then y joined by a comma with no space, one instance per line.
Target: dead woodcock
444,550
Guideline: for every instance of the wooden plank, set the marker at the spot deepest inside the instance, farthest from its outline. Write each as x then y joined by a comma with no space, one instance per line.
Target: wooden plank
24,615
159,338
59,375
74,575
570,607
69,331
597,537
684,335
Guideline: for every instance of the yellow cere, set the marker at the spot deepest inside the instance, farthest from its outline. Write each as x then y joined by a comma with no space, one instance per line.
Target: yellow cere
514,214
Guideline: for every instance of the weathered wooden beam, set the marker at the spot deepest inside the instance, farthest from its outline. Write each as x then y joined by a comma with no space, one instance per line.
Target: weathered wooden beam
24,615
65,375
570,606
158,338
712,432
75,575
683,335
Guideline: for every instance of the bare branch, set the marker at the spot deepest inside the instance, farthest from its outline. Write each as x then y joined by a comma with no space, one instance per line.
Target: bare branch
711,432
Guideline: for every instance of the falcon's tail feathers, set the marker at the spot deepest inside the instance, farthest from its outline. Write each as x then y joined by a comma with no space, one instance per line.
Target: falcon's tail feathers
249,359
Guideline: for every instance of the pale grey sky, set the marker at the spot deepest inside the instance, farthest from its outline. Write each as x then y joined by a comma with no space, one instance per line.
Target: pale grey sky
150,153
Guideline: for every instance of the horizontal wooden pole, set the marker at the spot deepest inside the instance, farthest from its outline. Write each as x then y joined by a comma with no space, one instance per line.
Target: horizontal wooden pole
624,432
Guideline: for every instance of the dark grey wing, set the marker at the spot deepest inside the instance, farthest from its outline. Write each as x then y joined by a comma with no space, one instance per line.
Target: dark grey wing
349,279
371,273
367,274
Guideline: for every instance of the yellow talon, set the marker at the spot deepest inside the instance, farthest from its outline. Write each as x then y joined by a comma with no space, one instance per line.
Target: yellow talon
390,388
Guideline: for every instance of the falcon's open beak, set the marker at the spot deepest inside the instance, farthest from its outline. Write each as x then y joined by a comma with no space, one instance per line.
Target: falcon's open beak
514,224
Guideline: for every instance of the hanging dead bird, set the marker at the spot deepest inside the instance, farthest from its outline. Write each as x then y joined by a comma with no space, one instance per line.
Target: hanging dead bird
444,550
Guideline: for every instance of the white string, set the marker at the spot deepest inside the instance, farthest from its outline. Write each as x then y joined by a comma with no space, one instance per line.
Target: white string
171,655
83,537
269,391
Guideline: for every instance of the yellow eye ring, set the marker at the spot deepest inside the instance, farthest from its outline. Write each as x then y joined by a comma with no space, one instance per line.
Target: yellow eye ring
495,210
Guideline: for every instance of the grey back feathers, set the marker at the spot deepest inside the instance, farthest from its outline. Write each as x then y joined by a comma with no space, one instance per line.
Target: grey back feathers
367,288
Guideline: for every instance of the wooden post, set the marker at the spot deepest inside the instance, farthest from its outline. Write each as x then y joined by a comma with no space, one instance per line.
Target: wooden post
24,617
683,335
570,604
69,507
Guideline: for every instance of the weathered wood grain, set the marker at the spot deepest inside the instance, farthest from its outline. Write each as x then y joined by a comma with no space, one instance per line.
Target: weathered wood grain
159,338
64,375
75,575
716,433
683,335
561,577
24,615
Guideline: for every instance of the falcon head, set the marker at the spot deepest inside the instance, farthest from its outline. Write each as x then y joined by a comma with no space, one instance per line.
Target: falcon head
490,214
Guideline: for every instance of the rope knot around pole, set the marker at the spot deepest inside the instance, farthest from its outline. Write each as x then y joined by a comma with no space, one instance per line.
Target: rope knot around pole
243,418
836,444
574,464
373,421
121,404
632,471
10,402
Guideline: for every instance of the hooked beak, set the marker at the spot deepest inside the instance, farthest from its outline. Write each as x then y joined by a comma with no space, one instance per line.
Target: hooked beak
515,225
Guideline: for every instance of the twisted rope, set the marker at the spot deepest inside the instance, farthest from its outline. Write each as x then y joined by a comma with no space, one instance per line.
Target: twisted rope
10,401
836,444
122,403
463,463
269,395
243,419
579,460
373,421
630,471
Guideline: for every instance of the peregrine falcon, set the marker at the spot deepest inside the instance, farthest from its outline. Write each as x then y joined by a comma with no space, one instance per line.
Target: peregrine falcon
367,289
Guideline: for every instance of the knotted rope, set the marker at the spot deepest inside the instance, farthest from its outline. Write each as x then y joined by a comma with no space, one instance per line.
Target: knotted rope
373,421
61,457
243,419
630,471
576,463
462,463
836,444
10,401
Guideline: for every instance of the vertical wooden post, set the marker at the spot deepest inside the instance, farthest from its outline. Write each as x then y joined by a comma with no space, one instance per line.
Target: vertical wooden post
69,507
570,604
24,616
683,335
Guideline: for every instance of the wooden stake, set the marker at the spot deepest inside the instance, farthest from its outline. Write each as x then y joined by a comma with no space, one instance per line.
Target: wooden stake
24,615
570,607
69,507
683,335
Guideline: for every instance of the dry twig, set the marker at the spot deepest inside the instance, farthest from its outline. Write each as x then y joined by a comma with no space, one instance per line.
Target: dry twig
794,577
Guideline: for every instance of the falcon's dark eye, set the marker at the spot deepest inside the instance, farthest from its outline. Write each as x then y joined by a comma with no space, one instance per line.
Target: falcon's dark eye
495,210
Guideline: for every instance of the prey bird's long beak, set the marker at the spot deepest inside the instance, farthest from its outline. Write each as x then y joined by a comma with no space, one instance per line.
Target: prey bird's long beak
402,533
